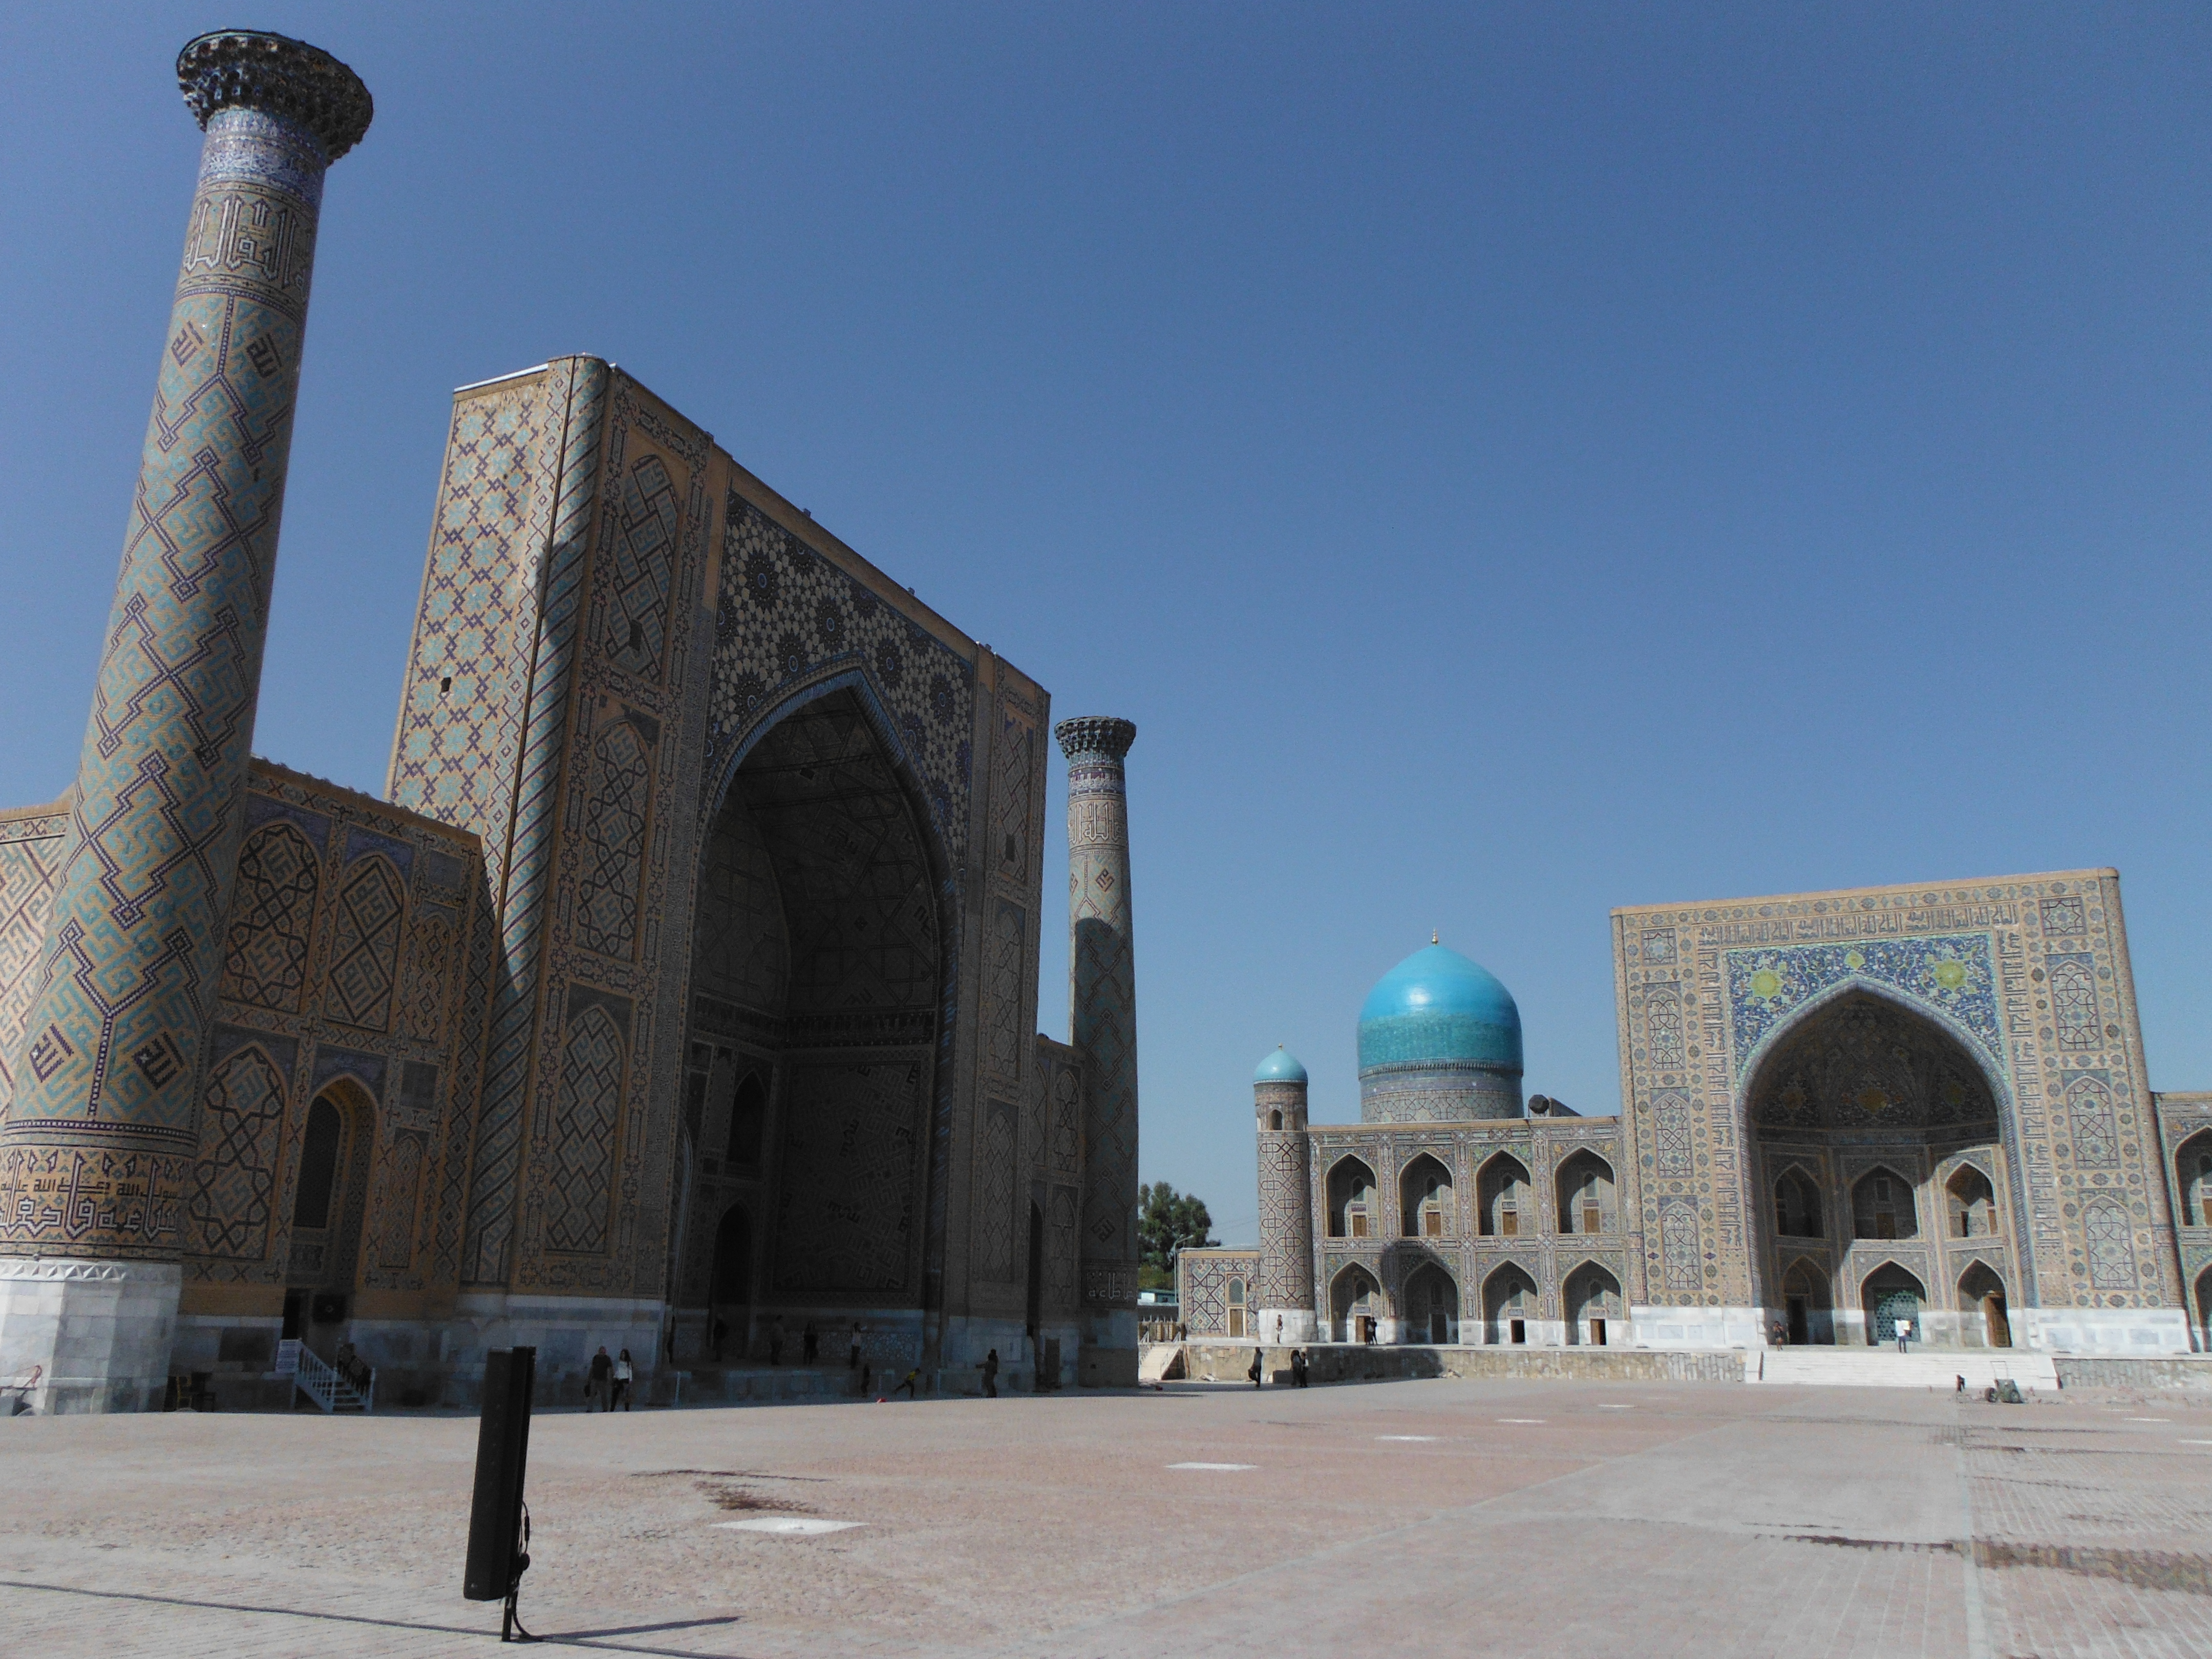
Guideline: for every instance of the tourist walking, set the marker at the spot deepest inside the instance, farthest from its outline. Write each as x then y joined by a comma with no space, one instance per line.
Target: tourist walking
625,1374
991,1374
909,1384
595,1381
1255,1372
1298,1367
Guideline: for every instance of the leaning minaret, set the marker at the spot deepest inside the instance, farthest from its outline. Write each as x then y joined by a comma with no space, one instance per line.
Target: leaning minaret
1286,1254
1102,1026
102,1135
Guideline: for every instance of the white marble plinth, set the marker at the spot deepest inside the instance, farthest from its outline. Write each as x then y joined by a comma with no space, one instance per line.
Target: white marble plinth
86,1335
1294,1326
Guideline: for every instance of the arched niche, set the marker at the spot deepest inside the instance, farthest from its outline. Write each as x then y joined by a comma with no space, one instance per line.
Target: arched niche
1587,1203
2192,1178
1505,1200
1510,1304
1986,1320
1355,1306
1594,1305
1797,1205
1970,1203
819,965
1889,1295
330,1197
1425,1199
1352,1205
1809,1315
1429,1305
1853,1107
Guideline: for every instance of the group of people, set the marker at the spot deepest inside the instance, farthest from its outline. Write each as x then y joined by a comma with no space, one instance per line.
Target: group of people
1299,1366
607,1385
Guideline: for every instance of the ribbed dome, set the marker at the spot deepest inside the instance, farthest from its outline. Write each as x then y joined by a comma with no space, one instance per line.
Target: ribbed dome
1437,1007
1281,1066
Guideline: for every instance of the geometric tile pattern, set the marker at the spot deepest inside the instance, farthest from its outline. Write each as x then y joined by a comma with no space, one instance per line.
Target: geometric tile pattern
272,918
364,968
788,614
579,388
583,1133
644,566
1103,999
233,1187
32,847
2028,975
614,834
136,945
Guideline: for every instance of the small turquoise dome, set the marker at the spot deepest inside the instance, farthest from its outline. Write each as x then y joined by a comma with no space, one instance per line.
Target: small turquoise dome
1438,1008
1281,1066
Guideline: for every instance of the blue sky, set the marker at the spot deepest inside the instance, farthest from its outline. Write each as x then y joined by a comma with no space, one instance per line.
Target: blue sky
1509,461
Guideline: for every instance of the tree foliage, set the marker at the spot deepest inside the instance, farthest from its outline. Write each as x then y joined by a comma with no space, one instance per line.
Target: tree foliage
1167,1222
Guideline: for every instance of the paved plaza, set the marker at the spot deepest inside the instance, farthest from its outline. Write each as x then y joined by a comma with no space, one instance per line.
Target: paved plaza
1441,1517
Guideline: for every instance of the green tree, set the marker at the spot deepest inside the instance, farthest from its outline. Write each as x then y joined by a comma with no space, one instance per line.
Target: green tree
1168,1221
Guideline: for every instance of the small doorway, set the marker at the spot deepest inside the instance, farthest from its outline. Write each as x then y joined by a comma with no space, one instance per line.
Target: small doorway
1520,1331
1439,1326
1995,1322
1366,1324
1597,1332
1893,1295
1801,1321
729,1318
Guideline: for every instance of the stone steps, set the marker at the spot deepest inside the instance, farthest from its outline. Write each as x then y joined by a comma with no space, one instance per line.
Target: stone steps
1867,1368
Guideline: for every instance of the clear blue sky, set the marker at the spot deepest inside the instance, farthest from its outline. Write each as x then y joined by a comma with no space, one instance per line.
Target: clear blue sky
1509,461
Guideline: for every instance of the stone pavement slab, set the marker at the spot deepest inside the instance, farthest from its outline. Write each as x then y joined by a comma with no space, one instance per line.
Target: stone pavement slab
1450,1517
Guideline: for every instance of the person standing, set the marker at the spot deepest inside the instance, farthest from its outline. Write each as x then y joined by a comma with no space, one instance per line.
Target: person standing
1255,1372
625,1374
596,1380
852,1364
1903,1333
811,1345
775,1342
991,1374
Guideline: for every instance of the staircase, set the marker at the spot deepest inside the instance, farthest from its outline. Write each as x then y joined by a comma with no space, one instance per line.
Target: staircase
326,1385
1877,1368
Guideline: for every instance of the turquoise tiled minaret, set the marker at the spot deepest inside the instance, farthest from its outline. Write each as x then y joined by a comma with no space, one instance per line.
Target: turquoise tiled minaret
102,1129
1102,1026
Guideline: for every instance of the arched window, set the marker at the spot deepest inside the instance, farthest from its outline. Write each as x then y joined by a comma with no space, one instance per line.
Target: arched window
1506,1201
1235,1307
1351,1199
319,1165
747,1114
1973,1203
2192,1167
1586,1202
1796,1206
1425,1199
1275,1119
1881,1207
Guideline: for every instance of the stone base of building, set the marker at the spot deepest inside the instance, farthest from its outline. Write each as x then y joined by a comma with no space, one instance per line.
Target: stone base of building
1223,1361
2144,1332
86,1335
1293,1326
1666,1327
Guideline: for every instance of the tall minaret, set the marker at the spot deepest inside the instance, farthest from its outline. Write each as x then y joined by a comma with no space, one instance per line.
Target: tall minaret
1102,1026
103,1133
1286,1255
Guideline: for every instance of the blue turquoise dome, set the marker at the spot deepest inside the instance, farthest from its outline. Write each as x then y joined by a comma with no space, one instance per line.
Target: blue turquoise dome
1281,1066
1439,1008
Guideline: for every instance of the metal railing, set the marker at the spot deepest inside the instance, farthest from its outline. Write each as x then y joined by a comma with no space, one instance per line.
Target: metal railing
326,1385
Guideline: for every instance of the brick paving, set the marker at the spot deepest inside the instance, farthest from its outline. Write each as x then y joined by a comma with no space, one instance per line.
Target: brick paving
1649,1519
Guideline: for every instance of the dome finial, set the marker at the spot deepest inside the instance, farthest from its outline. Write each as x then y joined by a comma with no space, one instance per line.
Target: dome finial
1433,939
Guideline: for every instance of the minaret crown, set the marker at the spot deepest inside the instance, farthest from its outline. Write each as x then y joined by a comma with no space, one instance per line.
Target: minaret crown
249,68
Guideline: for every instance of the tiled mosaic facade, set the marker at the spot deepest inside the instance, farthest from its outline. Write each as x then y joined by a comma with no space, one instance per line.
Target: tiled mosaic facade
102,1121
1102,1019
1840,1109
693,974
